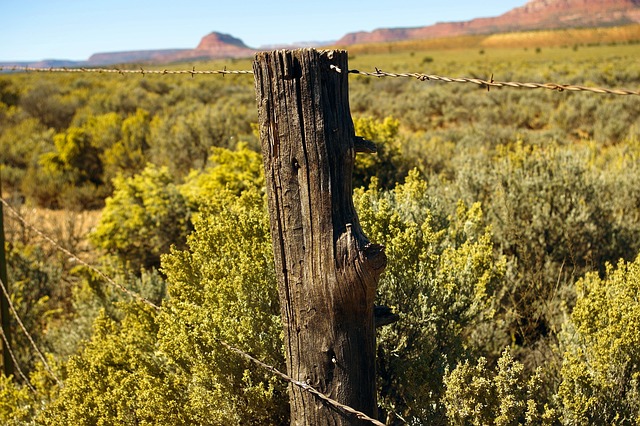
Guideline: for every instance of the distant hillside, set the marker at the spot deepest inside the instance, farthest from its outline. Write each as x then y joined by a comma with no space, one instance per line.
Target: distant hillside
534,15
132,56
571,37
212,46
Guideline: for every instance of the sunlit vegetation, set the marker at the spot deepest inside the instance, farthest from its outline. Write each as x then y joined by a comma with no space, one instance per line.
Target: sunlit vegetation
511,219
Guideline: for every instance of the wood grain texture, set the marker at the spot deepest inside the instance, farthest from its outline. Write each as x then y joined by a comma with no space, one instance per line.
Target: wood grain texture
327,269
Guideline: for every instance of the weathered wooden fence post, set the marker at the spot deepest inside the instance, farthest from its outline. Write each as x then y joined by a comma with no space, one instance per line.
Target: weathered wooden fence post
327,269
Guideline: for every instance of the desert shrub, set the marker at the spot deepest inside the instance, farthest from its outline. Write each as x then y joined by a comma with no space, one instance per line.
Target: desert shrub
128,155
440,279
167,367
601,368
142,219
618,168
219,289
387,164
476,395
71,176
15,402
551,220
150,212
47,103
21,404
9,95
118,377
183,138
21,144
39,297
235,171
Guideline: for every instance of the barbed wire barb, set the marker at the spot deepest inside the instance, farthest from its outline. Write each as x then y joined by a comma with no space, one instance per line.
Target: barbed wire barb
77,259
26,333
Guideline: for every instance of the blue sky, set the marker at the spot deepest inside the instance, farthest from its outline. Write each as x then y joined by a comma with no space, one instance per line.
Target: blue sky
75,29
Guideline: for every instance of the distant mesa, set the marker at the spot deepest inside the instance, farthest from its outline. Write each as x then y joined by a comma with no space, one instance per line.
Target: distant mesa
212,46
534,15
109,58
215,46
215,41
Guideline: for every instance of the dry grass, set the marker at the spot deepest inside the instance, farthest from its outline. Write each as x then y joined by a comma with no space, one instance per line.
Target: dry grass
69,228
559,38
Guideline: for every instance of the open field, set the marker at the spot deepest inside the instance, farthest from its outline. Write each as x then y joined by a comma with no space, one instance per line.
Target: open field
510,217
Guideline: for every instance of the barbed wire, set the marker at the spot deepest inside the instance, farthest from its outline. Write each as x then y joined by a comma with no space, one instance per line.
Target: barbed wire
272,369
494,83
16,365
142,71
24,330
377,73
359,415
72,256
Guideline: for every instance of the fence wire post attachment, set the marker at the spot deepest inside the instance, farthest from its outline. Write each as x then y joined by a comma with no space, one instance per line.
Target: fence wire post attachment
361,144
305,385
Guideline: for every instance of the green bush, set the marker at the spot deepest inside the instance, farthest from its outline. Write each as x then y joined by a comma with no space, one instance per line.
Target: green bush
48,103
144,367
477,396
386,164
440,278
143,218
218,289
601,369
551,218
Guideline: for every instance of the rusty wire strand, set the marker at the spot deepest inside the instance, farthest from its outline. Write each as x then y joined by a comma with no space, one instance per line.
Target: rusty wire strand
274,370
24,330
377,73
359,415
77,259
140,71
493,83
15,361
